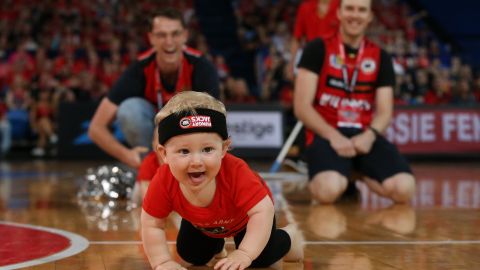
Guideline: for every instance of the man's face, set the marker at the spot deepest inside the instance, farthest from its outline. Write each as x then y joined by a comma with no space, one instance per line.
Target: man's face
168,38
354,16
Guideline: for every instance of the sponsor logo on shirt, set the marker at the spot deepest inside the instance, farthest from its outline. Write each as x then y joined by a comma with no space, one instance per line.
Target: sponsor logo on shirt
336,101
335,61
368,66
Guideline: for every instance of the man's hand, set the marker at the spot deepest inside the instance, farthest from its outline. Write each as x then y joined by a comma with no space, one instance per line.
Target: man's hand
170,265
134,158
237,260
363,142
343,146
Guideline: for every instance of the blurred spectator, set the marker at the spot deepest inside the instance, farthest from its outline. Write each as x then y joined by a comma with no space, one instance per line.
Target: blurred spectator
41,120
315,18
273,66
421,85
407,88
440,92
5,129
18,97
462,94
476,88
222,68
236,91
84,46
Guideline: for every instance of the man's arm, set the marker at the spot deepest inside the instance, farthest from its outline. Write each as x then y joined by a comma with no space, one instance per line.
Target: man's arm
383,105
381,119
383,108
303,98
100,133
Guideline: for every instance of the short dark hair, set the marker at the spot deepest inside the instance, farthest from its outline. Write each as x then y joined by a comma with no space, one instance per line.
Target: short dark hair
170,13
371,3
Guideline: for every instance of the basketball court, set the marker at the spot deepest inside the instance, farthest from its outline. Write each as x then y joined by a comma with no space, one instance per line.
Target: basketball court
44,225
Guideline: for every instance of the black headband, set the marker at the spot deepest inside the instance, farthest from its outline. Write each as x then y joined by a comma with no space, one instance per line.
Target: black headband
184,122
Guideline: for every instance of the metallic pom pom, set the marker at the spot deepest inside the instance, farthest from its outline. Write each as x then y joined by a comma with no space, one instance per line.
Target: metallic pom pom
108,182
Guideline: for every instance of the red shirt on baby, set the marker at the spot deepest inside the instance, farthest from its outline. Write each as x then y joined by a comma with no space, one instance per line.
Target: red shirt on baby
238,189
148,168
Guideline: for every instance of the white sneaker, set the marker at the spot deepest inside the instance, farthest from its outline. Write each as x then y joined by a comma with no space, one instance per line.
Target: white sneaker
296,252
299,166
53,139
38,152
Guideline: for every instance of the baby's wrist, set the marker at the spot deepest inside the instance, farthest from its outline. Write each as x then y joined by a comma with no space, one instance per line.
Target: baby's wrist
243,252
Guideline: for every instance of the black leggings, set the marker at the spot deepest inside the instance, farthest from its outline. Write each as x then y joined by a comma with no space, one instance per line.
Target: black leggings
198,249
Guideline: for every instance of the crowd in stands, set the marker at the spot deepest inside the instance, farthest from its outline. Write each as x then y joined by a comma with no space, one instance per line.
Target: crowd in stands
73,51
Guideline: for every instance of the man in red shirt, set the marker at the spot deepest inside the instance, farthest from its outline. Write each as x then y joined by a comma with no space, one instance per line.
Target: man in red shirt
344,97
315,18
147,84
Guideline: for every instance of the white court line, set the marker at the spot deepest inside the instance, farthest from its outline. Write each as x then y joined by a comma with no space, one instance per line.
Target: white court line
77,245
413,242
275,182
328,243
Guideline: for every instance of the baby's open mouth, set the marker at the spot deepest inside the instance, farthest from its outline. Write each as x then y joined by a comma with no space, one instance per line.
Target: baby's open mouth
196,174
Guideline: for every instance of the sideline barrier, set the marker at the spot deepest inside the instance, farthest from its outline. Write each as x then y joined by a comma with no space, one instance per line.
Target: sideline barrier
436,130
256,130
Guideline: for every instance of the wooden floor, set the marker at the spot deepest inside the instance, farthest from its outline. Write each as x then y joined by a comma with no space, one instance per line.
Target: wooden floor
440,230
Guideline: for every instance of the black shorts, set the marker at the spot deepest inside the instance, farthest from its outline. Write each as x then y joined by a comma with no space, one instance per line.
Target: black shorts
382,162
198,249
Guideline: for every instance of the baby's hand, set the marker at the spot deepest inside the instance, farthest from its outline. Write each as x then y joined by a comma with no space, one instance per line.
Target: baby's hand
170,265
237,260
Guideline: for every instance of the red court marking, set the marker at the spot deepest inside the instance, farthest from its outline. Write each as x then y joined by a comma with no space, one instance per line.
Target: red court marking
20,244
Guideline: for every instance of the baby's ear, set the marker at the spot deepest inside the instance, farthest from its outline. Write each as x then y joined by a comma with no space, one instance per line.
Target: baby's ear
161,153
226,146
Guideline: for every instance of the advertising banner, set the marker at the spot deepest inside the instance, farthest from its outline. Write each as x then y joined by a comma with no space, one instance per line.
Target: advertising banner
256,130
436,130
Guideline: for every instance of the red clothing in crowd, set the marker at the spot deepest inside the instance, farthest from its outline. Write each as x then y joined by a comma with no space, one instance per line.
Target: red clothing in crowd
310,25
148,168
238,189
431,97
3,110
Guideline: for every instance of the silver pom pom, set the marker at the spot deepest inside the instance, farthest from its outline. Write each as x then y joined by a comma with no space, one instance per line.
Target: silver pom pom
107,182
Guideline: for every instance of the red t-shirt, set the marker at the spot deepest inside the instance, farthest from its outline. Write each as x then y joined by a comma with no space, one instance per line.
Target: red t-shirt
309,25
238,189
148,168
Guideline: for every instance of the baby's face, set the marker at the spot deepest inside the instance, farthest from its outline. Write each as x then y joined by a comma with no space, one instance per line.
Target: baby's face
194,159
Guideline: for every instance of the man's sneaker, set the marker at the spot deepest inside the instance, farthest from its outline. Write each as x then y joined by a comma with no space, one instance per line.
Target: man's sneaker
53,139
298,166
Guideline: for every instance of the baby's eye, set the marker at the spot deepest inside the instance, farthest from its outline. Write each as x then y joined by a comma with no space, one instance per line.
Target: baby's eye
183,151
208,149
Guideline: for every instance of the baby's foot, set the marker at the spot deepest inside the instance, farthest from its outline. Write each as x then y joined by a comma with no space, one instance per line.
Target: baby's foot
296,248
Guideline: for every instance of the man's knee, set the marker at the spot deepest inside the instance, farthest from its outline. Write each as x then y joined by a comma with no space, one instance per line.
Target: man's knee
135,117
400,187
327,186
135,108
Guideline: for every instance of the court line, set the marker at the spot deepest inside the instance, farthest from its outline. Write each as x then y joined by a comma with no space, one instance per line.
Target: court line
77,244
328,243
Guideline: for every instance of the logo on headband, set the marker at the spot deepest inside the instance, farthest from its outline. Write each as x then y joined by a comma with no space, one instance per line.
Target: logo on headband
195,121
